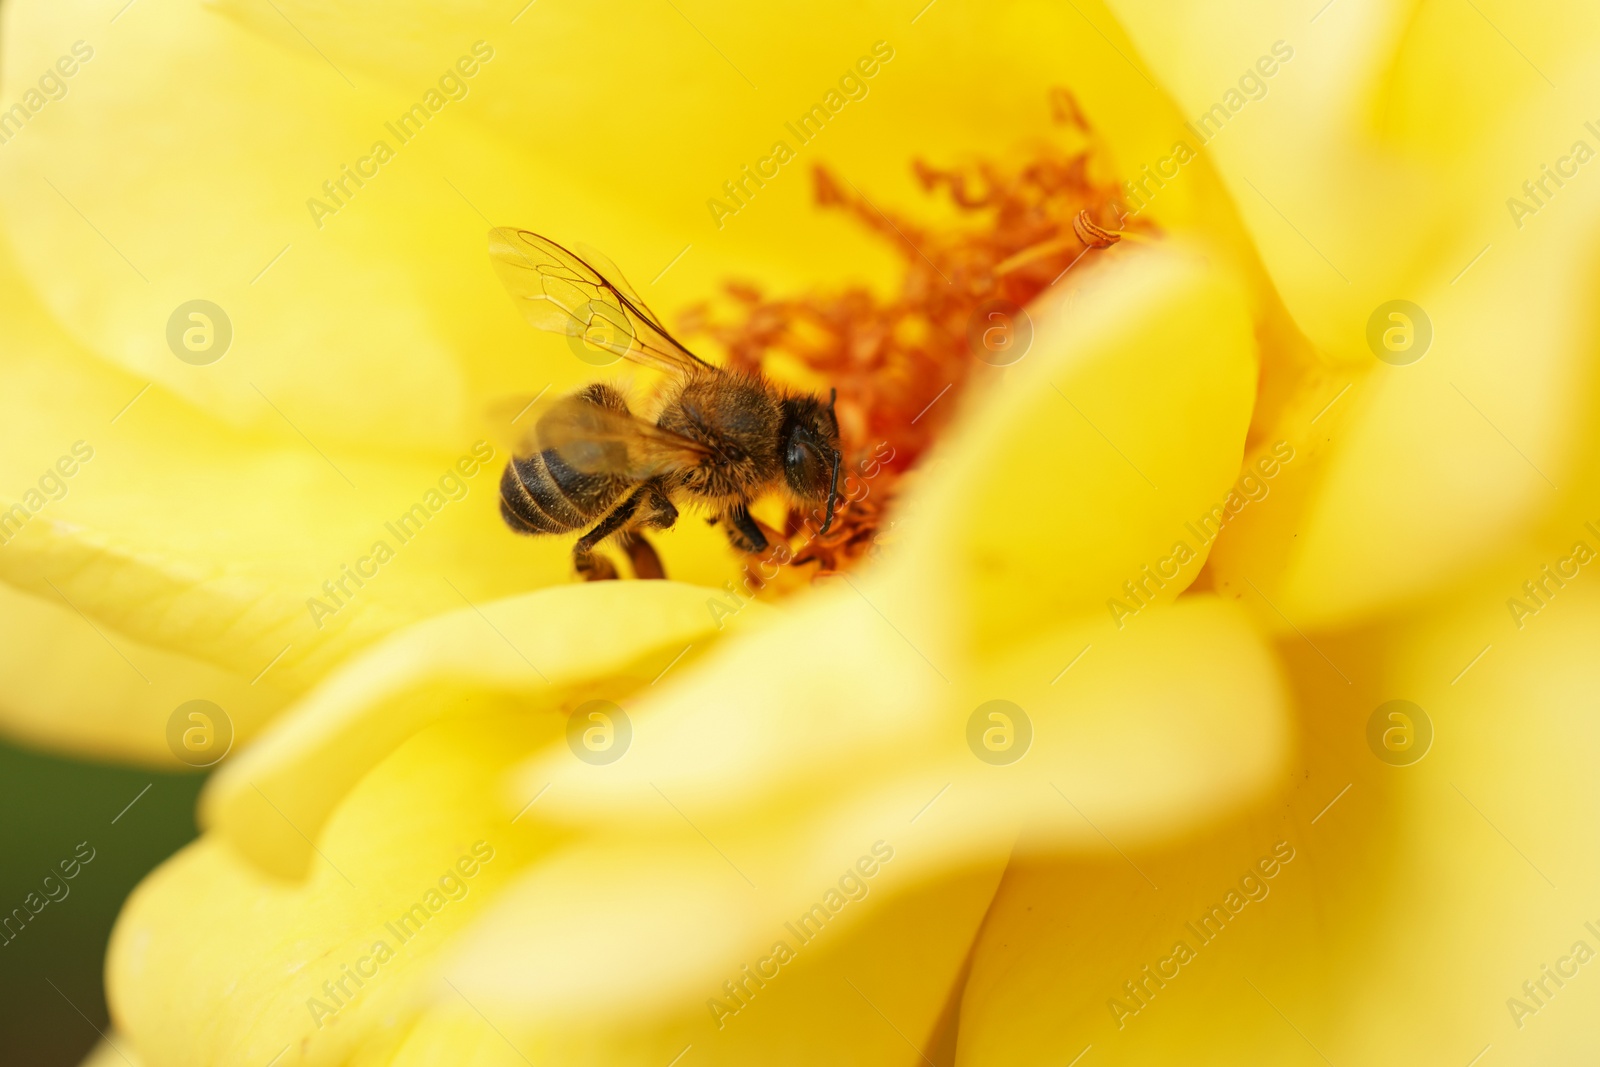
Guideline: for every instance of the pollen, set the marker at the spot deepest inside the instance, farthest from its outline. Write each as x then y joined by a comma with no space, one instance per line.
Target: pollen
901,364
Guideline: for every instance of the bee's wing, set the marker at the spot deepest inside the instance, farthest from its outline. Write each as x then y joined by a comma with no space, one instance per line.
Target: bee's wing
509,420
601,440
560,291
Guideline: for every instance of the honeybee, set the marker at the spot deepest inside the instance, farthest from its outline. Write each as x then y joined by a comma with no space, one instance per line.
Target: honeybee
720,440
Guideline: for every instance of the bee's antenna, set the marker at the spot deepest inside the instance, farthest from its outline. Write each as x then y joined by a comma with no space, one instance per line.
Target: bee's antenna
833,493
833,394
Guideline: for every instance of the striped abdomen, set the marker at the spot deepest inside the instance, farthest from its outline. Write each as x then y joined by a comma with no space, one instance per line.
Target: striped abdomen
540,494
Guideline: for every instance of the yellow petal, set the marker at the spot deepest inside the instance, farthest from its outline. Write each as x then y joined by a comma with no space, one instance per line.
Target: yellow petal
1423,472
952,83
880,966
548,651
1189,699
193,538
1362,180
380,324
1179,723
1420,898
1482,838
68,685
112,1050
1099,461
721,827
1112,915
409,820
1353,186
213,961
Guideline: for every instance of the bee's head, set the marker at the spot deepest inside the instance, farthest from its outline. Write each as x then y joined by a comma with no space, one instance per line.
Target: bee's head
811,451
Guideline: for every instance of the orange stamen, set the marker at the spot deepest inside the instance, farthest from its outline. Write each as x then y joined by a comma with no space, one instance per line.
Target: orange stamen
901,365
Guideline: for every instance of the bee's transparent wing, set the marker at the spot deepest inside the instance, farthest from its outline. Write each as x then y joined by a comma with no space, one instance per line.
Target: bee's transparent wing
509,420
562,292
601,440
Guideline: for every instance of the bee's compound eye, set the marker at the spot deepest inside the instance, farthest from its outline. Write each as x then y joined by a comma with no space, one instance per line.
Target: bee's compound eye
803,460
806,473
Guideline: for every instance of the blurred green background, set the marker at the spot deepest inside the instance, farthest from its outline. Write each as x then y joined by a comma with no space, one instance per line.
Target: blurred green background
47,806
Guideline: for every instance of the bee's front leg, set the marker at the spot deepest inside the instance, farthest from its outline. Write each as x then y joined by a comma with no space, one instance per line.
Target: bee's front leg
743,531
660,512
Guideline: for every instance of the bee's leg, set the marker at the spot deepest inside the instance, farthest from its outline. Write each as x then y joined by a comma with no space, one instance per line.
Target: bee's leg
662,513
642,554
591,566
743,531
657,512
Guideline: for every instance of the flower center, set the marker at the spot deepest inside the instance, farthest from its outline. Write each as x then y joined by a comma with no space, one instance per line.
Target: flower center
901,364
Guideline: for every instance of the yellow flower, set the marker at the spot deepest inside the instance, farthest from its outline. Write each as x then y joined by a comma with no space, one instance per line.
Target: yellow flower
823,840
